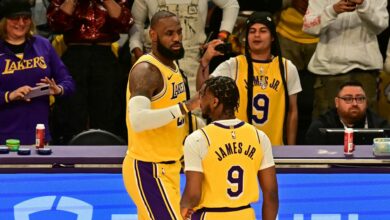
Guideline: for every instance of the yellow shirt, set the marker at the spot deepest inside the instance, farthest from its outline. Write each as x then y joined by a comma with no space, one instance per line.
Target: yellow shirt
268,97
290,27
231,165
164,143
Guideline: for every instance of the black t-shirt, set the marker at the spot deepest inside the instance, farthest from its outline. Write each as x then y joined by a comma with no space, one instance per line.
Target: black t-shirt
16,49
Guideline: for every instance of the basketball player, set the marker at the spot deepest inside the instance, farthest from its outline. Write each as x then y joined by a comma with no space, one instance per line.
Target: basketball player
156,123
268,83
226,160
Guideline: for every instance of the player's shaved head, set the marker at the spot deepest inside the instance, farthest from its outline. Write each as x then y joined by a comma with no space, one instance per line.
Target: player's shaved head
160,15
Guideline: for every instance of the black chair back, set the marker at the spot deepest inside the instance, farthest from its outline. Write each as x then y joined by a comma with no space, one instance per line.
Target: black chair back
96,137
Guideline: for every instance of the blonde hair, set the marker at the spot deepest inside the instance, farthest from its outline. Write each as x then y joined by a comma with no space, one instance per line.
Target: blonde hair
3,29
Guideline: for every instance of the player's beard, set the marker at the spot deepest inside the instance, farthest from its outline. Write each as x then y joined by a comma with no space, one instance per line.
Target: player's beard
206,112
168,53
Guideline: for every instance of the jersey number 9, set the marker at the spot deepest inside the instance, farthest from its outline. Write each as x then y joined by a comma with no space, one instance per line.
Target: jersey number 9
261,104
235,178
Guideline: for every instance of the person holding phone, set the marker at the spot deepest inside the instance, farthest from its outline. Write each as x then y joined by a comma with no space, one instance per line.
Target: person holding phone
26,61
348,48
268,83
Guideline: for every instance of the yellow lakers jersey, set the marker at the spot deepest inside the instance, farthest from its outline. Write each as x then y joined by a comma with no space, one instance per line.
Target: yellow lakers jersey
231,165
268,96
164,143
290,27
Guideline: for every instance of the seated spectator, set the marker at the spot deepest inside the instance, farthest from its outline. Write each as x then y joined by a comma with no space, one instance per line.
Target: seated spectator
348,49
26,61
351,112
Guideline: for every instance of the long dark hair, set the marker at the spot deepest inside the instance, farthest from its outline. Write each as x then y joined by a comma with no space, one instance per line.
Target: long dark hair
266,19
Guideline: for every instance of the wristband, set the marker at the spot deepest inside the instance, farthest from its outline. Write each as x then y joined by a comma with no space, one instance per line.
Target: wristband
7,96
184,106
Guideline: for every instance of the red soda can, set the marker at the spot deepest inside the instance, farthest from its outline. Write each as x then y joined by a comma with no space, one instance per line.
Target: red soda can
40,136
349,147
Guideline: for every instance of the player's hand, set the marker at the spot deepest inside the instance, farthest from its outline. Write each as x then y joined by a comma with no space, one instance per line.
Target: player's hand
194,102
344,6
54,89
19,93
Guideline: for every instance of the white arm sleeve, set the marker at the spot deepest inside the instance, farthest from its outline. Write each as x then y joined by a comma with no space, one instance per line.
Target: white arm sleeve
268,159
292,77
226,68
195,149
142,117
139,11
230,10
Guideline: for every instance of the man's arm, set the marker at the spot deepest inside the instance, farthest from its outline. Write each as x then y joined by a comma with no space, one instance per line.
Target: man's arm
230,10
374,15
192,193
203,69
113,8
269,187
68,6
146,81
320,15
292,120
195,148
139,11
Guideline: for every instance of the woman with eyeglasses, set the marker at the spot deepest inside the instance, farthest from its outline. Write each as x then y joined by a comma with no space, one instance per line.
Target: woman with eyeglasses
27,61
351,111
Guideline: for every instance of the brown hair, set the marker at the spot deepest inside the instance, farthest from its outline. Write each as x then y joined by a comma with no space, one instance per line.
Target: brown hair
3,29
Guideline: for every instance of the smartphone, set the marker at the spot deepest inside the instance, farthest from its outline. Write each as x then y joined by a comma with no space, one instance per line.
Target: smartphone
38,91
225,48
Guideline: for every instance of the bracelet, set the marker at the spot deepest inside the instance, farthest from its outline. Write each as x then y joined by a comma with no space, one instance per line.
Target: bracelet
7,96
62,91
201,65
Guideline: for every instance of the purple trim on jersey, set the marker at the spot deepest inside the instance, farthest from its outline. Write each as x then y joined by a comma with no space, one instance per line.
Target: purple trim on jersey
198,215
151,194
18,119
205,135
201,213
228,127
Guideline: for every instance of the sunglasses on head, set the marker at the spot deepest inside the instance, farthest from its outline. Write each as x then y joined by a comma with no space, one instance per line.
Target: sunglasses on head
18,17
